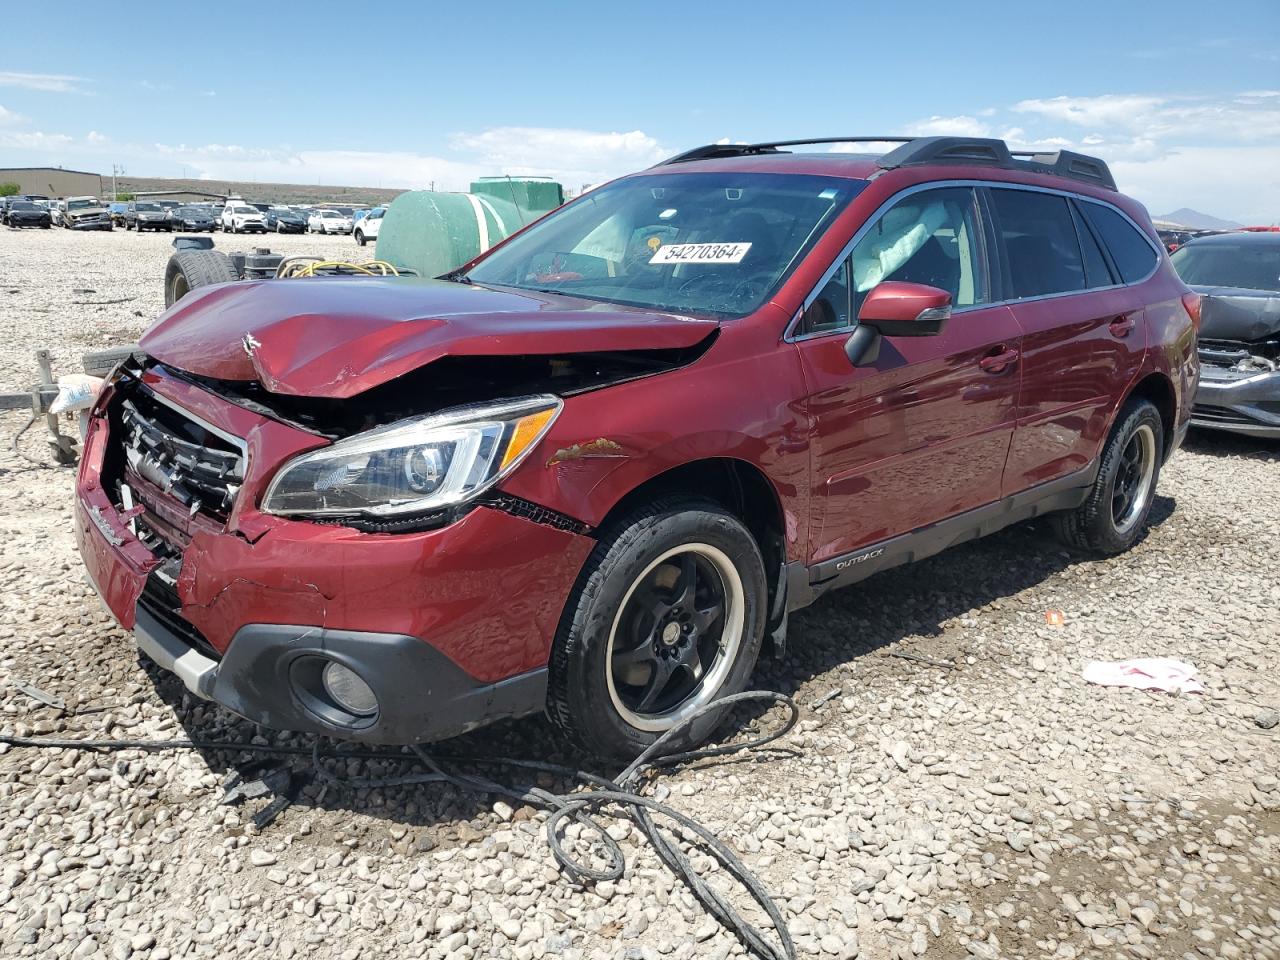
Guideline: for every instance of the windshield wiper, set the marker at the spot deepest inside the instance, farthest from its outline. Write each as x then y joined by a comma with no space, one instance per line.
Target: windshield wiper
456,276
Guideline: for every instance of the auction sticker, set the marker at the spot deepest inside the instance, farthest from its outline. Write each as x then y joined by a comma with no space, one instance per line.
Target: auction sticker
701,253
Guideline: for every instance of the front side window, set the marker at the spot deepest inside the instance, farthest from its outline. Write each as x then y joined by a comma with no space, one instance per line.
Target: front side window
1133,256
715,243
1041,248
931,237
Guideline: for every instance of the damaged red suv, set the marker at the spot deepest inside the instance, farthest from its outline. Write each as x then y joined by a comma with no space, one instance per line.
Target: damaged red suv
591,472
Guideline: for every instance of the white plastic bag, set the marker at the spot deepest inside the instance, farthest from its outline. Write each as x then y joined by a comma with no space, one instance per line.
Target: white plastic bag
76,391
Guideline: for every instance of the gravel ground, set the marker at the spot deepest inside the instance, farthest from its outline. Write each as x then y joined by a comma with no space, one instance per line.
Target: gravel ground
1002,808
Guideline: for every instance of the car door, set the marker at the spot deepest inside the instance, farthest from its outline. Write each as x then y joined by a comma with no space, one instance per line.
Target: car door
1083,335
922,432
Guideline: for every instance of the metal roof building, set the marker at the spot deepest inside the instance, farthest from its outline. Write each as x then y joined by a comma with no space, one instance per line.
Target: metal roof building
53,181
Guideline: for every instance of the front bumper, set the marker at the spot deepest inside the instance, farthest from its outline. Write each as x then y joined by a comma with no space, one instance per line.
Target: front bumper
451,627
1247,404
103,224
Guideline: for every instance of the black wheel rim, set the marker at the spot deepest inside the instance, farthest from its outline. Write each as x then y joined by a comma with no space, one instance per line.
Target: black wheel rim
673,636
1132,487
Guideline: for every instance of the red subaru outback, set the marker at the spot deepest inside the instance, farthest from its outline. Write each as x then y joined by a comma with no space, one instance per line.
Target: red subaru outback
592,471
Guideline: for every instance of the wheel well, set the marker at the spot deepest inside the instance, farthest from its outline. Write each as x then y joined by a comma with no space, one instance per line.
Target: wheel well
1158,388
741,488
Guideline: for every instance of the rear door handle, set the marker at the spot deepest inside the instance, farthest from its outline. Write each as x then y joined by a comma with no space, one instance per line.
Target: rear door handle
999,362
1122,326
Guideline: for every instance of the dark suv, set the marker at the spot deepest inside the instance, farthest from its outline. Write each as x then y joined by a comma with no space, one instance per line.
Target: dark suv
592,471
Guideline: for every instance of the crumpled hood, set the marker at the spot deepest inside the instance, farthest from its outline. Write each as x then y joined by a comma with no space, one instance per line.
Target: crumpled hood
1234,313
337,337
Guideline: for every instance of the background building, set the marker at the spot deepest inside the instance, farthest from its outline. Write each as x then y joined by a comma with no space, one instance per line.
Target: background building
53,181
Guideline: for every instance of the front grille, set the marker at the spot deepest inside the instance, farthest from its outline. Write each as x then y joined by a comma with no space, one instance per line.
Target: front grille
186,460
1213,414
160,599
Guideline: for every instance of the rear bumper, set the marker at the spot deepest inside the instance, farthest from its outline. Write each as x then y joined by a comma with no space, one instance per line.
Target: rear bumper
1248,406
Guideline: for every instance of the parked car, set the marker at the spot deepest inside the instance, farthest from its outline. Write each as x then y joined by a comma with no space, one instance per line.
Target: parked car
26,213
84,213
328,221
146,215
1238,278
286,220
240,217
191,218
118,211
366,228
594,474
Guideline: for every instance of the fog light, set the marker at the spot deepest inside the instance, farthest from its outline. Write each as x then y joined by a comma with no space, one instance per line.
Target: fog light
348,690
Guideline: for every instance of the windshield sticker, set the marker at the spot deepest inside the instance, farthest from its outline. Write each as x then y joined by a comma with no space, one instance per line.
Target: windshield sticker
701,253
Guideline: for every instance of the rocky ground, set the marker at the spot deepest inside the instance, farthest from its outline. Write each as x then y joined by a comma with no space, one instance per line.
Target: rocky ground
999,807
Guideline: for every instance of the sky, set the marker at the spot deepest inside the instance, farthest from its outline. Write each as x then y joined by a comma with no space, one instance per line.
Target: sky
1182,99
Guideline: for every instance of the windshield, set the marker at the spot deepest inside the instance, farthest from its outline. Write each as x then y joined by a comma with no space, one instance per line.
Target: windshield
25,205
330,214
190,211
1252,266
81,204
713,243
148,207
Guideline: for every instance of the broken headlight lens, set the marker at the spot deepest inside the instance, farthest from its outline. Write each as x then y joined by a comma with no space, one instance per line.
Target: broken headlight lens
413,466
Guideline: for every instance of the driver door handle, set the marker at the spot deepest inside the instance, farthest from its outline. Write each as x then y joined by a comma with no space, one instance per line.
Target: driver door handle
999,362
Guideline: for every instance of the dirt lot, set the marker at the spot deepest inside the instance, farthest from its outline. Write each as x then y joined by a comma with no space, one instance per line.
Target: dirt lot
1002,808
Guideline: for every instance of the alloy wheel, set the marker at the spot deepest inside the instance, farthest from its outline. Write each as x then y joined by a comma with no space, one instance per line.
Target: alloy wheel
1132,489
675,637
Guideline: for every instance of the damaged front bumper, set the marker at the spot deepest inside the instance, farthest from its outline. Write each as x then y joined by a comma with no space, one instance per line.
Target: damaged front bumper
1243,403
451,627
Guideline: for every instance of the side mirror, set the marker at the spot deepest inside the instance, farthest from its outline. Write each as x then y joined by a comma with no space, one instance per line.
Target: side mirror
898,309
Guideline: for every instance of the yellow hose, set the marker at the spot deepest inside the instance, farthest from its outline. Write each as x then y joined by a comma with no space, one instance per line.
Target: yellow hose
295,267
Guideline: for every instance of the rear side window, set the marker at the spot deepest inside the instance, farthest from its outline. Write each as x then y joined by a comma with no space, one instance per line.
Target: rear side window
1039,237
1096,271
1132,255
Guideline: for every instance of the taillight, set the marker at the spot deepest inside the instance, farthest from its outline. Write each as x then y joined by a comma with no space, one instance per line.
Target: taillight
1192,302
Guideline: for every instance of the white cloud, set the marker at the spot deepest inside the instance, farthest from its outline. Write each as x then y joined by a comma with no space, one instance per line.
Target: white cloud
961,126
9,118
574,156
35,140
1106,110
48,82
1240,183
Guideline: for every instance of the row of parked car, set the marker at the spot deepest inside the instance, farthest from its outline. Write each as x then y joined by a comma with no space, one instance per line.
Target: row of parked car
235,216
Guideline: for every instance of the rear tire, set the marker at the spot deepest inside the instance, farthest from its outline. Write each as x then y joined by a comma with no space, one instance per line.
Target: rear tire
1114,516
359,238
667,616
189,269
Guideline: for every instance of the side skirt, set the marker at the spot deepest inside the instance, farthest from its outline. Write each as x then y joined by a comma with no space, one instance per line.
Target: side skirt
806,583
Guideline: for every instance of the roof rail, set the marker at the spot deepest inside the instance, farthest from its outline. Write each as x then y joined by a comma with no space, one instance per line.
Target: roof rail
717,151
920,150
1066,163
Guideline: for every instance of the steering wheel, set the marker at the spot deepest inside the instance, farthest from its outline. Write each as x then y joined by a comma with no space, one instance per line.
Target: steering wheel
748,289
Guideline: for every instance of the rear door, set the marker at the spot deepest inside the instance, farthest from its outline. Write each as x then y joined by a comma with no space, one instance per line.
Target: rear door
1082,329
923,432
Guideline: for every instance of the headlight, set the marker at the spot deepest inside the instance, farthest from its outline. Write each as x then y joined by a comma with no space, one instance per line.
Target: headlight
413,466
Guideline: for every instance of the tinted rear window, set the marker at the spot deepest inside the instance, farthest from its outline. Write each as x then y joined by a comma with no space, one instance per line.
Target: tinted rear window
1041,249
1132,255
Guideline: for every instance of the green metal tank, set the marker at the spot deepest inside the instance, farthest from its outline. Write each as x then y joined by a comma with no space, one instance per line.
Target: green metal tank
536,195
433,233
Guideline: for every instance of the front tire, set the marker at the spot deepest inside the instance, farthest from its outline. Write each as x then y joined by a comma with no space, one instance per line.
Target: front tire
1114,516
667,616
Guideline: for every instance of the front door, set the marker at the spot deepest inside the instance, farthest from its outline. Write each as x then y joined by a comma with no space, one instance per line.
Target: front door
921,433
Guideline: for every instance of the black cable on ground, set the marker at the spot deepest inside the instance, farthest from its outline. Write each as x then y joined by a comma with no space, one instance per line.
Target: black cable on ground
623,794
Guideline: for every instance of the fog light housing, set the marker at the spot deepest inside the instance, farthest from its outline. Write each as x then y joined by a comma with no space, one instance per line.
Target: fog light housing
348,690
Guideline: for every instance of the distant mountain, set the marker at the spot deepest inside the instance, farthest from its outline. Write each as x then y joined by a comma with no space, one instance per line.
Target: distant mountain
1196,220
